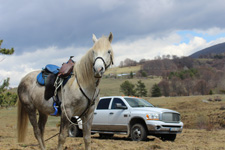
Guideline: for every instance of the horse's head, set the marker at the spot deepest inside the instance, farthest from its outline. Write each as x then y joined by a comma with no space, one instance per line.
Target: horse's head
102,54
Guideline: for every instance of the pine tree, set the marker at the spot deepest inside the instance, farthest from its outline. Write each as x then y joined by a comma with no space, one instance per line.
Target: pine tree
156,92
5,83
127,88
140,89
131,75
6,51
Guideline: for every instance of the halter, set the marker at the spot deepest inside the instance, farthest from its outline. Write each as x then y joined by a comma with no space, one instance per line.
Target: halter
106,66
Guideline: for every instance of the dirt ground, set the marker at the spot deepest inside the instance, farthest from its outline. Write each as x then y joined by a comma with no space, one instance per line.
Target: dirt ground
190,139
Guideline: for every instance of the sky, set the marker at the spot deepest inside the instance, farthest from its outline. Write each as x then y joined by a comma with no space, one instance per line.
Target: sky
49,31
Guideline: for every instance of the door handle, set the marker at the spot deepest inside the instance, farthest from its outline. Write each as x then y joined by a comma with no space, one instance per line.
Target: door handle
95,113
111,113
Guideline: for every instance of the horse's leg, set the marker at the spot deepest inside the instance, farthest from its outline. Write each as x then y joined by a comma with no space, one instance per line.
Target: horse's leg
41,124
64,124
87,122
37,131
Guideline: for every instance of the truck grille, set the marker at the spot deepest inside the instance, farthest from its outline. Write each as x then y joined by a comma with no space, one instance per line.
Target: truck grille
171,117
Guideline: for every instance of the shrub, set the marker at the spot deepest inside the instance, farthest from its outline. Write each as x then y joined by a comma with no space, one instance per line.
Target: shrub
140,89
127,88
156,92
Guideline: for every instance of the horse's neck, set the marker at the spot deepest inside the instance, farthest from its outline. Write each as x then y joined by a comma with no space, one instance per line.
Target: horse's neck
84,71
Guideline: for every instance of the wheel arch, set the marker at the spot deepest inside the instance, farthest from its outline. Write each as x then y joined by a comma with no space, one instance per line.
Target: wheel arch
136,120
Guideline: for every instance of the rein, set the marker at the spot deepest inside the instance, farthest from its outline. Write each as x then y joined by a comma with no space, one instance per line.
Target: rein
91,102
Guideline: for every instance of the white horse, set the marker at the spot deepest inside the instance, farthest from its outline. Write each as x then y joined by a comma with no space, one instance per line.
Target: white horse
77,95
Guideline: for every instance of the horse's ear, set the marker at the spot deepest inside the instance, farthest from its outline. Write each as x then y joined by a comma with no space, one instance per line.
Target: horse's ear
94,38
110,37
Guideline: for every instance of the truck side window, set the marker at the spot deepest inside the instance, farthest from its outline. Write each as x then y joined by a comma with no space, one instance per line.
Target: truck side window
117,100
104,103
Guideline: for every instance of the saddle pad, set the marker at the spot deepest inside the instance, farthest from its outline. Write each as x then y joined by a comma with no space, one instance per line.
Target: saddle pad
52,68
40,79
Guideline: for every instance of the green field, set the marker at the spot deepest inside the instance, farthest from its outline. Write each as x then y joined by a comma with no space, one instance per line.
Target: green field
111,86
118,70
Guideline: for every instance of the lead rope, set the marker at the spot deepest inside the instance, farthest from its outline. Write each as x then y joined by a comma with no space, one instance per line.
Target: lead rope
79,119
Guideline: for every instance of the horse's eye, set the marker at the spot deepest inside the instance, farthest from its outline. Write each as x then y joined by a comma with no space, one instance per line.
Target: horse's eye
109,51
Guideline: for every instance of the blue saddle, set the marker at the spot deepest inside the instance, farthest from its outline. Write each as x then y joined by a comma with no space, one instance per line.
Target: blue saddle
52,68
48,69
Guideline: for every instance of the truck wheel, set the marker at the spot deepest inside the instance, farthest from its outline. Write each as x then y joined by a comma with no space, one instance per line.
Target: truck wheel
74,131
105,136
138,132
168,137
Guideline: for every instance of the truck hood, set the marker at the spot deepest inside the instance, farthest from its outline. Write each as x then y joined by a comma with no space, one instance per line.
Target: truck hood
154,109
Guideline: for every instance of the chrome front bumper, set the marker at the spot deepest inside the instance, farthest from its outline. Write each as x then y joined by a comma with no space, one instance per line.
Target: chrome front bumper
159,127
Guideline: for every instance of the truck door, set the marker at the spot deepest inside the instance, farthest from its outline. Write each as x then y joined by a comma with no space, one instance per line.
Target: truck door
100,121
118,116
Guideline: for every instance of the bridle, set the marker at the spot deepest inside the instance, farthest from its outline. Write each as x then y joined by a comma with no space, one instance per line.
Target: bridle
106,66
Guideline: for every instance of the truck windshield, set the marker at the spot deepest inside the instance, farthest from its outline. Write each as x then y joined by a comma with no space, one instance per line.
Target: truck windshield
136,102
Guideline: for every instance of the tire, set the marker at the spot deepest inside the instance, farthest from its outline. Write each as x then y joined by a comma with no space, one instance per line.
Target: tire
105,136
74,131
168,137
138,132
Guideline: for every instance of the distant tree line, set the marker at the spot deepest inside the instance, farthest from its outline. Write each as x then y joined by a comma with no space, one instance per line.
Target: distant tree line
183,76
213,56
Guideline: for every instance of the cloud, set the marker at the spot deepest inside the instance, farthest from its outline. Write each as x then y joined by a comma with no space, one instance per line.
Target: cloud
38,24
17,66
150,47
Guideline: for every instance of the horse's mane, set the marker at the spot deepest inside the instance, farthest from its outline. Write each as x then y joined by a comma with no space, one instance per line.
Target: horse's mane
83,69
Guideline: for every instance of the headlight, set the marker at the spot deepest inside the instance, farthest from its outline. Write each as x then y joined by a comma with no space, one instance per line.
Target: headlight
152,116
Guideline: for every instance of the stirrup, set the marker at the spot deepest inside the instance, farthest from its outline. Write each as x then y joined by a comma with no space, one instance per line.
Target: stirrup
56,109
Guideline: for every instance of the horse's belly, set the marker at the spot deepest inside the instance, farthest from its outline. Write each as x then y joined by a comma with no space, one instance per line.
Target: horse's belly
46,106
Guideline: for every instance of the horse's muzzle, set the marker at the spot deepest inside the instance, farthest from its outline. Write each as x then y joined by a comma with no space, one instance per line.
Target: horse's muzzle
99,72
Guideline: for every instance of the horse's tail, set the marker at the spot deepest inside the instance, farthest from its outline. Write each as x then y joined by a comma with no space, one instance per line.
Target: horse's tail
22,122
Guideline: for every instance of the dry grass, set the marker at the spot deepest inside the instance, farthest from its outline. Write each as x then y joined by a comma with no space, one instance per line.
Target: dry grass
195,136
196,112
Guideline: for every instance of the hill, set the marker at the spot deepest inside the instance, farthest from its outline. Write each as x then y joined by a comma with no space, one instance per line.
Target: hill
215,49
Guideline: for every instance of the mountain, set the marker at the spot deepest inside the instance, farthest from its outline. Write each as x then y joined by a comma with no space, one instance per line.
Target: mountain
216,49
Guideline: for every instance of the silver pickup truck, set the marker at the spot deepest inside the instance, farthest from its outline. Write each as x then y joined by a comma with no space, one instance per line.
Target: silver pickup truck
134,117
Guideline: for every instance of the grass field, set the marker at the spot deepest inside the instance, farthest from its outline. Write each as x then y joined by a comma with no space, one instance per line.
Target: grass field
203,120
117,70
111,86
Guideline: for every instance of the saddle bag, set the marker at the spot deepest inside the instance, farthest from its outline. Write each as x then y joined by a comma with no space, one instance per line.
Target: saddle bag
66,68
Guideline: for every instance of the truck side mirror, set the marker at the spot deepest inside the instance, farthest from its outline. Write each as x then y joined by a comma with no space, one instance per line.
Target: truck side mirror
120,106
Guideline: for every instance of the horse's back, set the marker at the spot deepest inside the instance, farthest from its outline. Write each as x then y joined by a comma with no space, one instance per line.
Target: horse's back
27,84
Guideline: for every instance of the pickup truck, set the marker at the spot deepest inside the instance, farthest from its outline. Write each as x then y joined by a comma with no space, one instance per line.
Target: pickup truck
134,117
